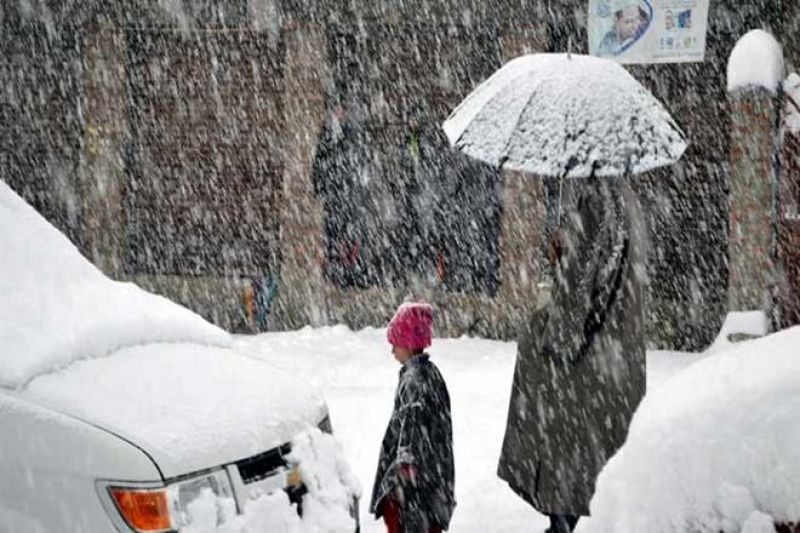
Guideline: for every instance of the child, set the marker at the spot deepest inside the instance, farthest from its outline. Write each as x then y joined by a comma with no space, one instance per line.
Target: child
414,485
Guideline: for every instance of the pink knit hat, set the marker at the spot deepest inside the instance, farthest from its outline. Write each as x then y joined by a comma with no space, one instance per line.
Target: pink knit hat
412,326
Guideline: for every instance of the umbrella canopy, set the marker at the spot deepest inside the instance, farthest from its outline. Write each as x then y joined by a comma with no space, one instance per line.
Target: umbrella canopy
565,115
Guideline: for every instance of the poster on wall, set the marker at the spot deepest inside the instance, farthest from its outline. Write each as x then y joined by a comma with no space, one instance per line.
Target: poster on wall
648,31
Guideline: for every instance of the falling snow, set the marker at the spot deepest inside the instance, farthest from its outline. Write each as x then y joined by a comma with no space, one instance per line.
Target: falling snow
211,209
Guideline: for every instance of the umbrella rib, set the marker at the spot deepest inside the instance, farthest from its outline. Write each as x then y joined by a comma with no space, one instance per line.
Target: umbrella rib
516,125
494,91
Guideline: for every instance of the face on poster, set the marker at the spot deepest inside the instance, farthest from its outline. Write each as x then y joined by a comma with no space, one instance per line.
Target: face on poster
648,31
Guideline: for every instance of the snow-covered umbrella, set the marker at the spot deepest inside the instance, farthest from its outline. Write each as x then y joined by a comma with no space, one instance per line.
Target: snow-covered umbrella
565,116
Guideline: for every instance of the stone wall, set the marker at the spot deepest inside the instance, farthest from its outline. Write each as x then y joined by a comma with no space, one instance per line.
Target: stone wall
787,291
40,123
307,297
790,34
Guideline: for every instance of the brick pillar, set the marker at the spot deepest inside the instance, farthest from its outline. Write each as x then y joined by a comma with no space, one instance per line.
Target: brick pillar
301,291
752,198
102,170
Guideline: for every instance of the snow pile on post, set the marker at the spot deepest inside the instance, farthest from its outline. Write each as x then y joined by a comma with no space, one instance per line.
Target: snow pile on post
714,449
331,486
56,307
756,61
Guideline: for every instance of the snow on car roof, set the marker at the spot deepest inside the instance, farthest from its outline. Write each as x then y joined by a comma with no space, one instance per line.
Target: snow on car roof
713,448
56,307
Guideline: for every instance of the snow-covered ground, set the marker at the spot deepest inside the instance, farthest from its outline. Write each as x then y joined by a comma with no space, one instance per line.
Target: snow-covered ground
357,374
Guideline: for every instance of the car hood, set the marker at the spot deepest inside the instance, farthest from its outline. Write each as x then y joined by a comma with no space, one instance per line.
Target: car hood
190,407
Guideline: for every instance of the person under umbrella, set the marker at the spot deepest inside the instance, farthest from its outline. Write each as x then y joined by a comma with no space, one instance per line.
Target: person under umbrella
580,369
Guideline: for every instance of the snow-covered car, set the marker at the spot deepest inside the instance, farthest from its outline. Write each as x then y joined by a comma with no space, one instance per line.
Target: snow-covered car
715,448
119,407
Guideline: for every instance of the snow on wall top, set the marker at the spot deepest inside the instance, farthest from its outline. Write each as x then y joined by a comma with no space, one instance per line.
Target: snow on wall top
756,61
559,114
712,449
56,307
751,323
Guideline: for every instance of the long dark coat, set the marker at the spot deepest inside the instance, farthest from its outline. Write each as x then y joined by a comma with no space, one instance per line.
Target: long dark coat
580,370
419,433
337,174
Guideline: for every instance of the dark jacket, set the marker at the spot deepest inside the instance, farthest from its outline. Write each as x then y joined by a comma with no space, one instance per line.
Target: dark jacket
419,433
340,162
580,370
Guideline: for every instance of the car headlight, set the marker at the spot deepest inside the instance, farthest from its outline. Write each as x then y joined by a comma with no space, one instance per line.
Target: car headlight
182,493
149,509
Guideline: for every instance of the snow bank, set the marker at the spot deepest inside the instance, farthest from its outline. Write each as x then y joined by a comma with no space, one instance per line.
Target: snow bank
56,307
326,508
714,449
756,61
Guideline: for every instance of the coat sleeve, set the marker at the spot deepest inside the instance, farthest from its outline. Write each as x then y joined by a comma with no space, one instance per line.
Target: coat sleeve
411,440
574,307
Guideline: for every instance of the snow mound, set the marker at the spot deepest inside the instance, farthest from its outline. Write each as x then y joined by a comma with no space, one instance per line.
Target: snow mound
756,61
326,507
714,449
56,307
548,114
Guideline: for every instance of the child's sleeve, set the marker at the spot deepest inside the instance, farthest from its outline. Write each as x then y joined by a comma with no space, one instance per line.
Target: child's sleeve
412,440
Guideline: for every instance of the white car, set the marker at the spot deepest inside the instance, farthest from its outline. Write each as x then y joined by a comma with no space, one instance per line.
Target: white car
118,407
